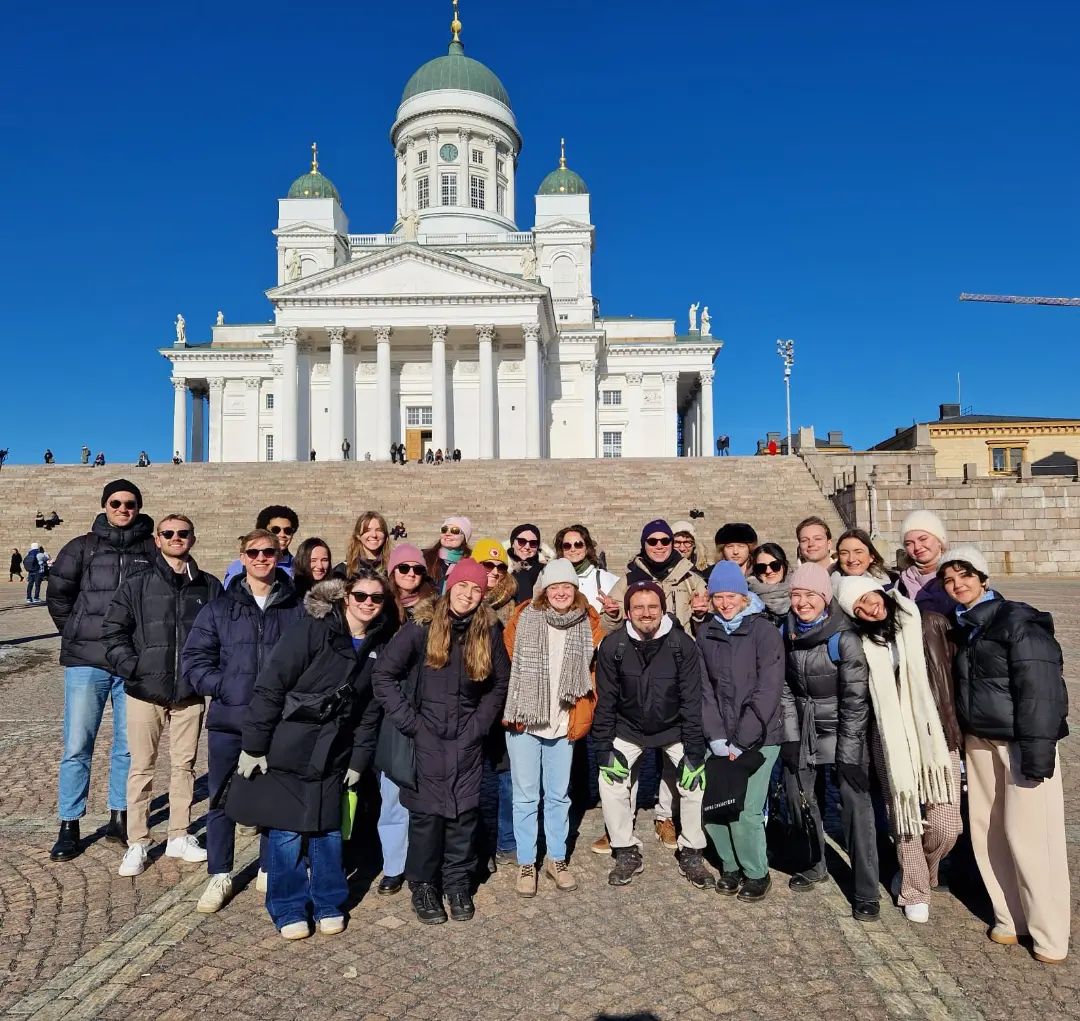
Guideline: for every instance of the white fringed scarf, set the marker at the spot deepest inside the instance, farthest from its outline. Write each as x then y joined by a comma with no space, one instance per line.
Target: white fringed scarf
916,755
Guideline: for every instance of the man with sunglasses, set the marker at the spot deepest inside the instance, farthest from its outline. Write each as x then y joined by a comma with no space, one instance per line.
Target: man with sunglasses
82,582
143,633
283,524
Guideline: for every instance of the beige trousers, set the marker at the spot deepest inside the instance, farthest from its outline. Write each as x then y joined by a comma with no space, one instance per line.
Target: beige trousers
145,725
1018,836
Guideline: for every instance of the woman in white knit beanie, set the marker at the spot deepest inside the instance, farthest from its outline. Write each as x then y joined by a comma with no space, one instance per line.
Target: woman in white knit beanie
915,738
925,542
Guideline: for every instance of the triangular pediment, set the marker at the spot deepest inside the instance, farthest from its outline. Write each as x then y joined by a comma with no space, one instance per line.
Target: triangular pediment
407,270
563,223
301,227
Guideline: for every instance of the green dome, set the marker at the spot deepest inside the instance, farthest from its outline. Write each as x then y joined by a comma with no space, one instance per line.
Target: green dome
563,181
313,185
456,71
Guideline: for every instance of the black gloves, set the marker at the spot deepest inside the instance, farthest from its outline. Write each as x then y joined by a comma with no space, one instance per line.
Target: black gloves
856,777
789,755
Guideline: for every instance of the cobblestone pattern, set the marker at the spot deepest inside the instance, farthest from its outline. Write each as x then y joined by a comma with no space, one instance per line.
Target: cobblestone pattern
77,941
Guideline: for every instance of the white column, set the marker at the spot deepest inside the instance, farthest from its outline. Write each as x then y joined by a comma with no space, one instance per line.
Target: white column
217,441
588,407
706,437
289,418
179,416
632,444
485,336
671,413
532,389
337,392
251,416
198,425
439,434
382,394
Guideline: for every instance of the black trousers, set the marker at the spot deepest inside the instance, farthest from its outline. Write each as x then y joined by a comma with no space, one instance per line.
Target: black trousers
442,851
856,820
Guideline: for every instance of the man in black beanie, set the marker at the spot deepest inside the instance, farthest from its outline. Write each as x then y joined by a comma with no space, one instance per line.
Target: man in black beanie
82,581
736,541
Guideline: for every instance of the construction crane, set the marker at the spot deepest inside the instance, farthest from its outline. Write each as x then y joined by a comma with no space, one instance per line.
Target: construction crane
1019,299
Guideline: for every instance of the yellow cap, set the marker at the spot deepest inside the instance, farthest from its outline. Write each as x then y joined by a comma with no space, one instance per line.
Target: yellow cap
489,549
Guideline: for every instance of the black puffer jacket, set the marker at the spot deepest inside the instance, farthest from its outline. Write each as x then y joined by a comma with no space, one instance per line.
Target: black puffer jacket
146,627
1010,684
826,705
448,716
313,716
650,704
84,578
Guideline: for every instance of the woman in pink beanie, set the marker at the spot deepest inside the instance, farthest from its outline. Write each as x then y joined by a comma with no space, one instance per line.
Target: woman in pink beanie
409,583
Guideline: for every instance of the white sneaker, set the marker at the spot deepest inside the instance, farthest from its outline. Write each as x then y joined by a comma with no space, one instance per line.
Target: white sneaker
217,894
296,930
260,881
917,913
134,862
186,848
332,926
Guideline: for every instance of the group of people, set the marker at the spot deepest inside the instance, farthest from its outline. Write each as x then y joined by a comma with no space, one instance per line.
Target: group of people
429,666
36,565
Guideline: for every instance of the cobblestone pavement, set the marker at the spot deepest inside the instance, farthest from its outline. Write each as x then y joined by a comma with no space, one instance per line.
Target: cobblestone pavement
77,941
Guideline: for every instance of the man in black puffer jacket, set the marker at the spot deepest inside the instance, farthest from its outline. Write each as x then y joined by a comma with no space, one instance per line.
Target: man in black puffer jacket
144,631
82,582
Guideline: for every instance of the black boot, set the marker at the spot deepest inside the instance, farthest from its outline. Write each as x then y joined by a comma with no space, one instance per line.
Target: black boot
116,828
755,889
427,904
461,905
866,910
67,844
729,882
390,885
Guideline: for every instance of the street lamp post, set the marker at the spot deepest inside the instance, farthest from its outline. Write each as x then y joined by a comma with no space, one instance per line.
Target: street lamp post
786,350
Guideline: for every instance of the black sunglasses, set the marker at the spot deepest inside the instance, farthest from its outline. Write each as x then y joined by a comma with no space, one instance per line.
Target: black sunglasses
573,545
126,504
494,565
368,597
182,533
287,529
269,552
531,543
416,569
663,540
765,568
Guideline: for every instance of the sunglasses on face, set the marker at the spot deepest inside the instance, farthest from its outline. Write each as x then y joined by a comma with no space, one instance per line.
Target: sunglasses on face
494,565
268,552
368,597
180,533
404,569
450,530
769,567
573,545
278,529
126,504
662,540
530,543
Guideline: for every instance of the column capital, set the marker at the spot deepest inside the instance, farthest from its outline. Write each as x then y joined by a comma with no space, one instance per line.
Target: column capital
438,333
634,378
464,134
382,334
485,332
531,331
216,383
671,376
336,334
706,376
179,383
278,370
253,382
289,334
410,142
433,134
587,365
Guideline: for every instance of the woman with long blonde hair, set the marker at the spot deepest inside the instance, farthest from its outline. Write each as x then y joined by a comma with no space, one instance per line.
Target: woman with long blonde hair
369,545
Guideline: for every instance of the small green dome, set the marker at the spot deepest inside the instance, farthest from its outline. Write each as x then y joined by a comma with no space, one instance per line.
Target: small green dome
313,185
563,181
456,71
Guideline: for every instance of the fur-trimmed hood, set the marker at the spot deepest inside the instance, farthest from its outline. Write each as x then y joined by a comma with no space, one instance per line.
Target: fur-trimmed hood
324,596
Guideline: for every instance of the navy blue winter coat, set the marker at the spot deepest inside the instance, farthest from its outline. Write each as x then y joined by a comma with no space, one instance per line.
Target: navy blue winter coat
230,641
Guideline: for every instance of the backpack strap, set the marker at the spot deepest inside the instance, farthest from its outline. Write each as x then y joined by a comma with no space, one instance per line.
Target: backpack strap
834,647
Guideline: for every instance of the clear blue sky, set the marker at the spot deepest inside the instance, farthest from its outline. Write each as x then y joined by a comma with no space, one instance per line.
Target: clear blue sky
832,172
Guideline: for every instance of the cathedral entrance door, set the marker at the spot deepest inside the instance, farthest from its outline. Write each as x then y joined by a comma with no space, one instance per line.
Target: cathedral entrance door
416,443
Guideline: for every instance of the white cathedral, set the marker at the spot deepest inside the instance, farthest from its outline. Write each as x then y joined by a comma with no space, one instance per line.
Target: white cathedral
455,330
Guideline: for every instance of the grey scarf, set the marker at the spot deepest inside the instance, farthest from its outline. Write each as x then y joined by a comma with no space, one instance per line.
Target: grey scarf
528,700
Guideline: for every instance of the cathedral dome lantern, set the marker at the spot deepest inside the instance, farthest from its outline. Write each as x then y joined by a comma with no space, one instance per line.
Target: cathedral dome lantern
314,184
562,180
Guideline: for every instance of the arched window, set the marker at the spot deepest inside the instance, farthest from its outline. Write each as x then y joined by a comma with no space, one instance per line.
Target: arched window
564,277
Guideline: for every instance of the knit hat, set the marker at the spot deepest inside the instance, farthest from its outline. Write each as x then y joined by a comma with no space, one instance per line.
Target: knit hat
966,555
467,569
925,521
518,529
33,546
489,549
463,523
684,526
659,525
727,576
849,589
121,486
813,578
644,586
406,553
736,531
557,572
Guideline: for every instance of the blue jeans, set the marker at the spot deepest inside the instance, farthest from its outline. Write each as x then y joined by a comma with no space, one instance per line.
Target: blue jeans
506,839
289,889
86,691
33,586
393,828
535,760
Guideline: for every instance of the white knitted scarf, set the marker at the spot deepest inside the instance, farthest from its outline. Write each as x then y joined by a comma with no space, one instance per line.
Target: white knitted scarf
916,755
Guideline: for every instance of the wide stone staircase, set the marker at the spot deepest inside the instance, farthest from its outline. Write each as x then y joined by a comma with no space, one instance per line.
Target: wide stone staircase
614,498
